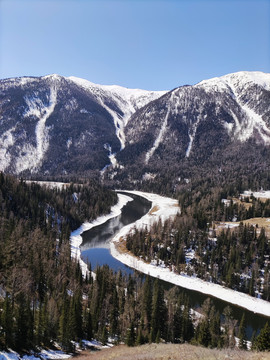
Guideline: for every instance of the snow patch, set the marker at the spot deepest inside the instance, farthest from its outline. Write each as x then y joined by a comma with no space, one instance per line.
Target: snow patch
49,184
112,158
257,194
6,140
43,354
69,143
148,176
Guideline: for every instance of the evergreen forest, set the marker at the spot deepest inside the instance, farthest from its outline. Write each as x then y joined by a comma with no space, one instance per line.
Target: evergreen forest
45,299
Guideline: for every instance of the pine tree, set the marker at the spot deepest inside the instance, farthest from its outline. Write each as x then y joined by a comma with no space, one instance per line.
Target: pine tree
242,334
203,333
88,327
177,322
114,316
7,322
158,318
131,336
104,336
140,338
262,342
78,315
214,327
147,301
64,323
24,330
187,325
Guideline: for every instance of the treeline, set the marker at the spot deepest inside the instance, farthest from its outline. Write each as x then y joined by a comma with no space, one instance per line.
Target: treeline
36,269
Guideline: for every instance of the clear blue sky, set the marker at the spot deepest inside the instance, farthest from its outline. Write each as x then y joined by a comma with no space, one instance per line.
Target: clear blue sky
149,44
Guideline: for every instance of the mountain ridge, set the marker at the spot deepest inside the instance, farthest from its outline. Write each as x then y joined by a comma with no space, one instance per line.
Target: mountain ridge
64,125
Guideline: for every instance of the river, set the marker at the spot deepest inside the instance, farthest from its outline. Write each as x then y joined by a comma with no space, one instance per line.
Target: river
95,249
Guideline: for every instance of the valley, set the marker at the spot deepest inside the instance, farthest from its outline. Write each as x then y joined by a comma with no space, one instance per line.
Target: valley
199,157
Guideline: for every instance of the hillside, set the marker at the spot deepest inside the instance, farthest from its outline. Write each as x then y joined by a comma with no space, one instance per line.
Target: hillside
170,352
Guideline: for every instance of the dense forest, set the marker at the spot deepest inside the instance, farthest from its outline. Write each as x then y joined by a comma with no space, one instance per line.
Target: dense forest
36,268
45,299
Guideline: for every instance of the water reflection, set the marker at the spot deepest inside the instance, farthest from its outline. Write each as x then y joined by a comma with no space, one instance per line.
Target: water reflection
100,236
96,241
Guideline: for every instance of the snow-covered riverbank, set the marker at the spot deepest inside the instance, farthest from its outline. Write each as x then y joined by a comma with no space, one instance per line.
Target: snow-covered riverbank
164,208
76,238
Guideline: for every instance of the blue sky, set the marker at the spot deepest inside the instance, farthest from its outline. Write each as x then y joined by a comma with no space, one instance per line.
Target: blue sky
149,44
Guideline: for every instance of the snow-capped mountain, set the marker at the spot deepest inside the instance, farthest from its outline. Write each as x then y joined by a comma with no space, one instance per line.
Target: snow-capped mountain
218,121
55,125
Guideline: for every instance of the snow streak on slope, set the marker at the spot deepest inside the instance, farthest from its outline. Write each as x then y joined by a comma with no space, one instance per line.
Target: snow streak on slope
6,141
111,157
160,135
253,121
30,157
191,134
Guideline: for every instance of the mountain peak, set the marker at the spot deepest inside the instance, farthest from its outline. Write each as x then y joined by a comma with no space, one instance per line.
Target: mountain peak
241,78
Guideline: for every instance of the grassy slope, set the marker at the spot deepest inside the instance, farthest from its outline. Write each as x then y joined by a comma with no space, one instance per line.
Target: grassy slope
170,352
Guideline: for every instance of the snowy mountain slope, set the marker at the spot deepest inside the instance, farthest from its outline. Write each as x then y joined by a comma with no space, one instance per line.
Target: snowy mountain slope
245,88
55,125
120,102
194,124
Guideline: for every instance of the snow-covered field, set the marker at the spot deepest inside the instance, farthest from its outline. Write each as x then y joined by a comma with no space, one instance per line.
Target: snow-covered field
257,194
49,184
166,208
76,239
43,354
